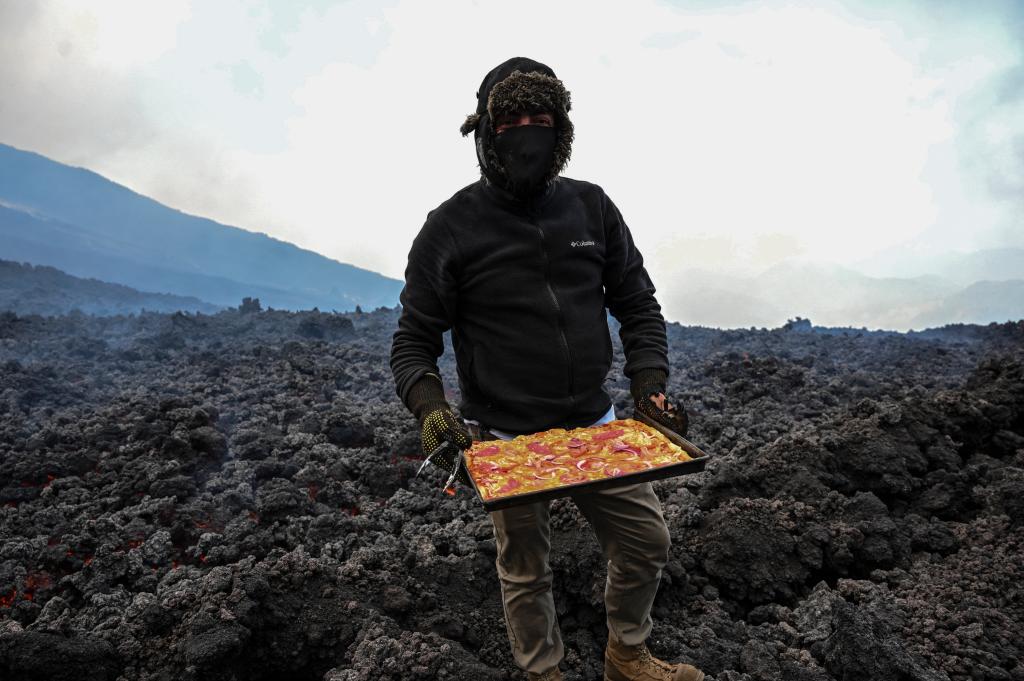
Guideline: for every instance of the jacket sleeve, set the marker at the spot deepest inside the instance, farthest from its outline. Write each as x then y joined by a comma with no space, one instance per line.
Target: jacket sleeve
629,296
428,306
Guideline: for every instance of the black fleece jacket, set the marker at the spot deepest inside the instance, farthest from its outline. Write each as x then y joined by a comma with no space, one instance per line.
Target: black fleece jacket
524,286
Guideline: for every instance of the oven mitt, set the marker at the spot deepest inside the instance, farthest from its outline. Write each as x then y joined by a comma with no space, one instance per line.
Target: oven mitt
647,387
438,425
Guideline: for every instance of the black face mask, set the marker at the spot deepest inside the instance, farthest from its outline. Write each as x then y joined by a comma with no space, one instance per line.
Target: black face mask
526,152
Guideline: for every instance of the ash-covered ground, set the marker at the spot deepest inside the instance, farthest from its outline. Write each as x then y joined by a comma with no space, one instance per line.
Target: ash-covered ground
232,497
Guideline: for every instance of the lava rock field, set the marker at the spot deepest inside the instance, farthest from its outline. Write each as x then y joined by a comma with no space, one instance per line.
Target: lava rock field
232,496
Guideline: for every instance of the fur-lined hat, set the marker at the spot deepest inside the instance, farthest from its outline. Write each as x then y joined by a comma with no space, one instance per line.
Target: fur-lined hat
515,86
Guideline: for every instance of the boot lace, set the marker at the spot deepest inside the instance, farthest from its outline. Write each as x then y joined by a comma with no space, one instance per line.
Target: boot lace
649,660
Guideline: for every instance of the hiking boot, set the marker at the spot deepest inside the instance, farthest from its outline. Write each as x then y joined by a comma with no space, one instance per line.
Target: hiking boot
550,675
635,663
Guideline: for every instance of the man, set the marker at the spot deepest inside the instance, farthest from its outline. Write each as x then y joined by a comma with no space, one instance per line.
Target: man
521,266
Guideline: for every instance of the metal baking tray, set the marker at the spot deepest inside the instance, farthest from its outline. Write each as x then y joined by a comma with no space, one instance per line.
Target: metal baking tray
695,465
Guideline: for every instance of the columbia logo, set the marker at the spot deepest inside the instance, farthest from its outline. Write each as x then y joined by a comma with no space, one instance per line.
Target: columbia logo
575,244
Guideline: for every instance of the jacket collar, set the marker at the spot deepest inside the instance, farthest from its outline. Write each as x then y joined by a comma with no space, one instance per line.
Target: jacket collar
530,205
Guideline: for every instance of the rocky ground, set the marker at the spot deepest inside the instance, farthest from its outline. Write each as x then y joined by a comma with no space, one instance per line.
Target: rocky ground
232,497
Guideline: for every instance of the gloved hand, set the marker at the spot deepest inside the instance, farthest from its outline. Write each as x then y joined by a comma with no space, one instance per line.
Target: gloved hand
647,387
438,424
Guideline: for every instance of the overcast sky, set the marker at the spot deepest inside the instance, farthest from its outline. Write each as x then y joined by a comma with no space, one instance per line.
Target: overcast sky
730,134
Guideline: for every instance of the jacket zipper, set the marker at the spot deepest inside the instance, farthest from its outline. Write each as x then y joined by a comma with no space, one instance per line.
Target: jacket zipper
558,311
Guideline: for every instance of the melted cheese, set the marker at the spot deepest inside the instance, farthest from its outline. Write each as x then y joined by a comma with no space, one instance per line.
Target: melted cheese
558,457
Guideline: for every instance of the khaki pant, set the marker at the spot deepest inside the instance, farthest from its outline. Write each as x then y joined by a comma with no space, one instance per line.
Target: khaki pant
634,540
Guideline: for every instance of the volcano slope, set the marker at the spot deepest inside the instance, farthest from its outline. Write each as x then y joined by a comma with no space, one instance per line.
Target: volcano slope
232,497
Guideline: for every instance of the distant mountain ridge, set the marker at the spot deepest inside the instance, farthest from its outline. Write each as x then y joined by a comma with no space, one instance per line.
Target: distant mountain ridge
987,264
88,226
837,296
68,243
27,289
990,264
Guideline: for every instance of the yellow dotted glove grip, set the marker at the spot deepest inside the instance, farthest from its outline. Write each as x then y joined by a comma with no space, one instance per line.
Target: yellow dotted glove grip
438,426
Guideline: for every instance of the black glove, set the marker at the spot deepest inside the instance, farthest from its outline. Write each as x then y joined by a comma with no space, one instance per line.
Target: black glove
647,387
438,424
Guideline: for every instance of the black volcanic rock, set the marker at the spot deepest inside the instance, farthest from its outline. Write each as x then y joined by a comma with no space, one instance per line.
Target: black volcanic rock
35,656
233,496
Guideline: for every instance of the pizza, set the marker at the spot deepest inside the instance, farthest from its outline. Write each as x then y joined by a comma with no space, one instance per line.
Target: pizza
558,457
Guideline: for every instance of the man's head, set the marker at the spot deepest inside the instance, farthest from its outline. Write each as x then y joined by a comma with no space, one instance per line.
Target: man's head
521,126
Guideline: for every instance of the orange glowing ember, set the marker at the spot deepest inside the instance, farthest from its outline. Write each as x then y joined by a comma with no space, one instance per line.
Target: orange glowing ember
558,458
37,580
34,582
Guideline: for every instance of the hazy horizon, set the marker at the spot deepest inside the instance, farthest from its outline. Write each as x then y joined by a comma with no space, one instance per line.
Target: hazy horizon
40,200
